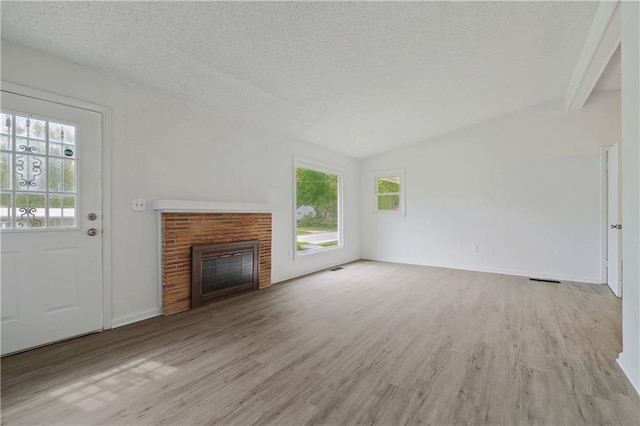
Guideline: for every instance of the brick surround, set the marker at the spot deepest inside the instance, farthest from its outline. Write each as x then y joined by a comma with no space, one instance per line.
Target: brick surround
182,230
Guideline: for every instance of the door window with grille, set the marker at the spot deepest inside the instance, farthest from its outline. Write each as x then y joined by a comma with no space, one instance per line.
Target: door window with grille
38,173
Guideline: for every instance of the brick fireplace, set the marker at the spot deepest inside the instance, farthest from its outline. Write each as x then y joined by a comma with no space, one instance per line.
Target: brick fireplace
185,224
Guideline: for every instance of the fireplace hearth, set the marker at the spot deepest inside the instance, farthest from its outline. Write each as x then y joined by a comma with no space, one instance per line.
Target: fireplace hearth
224,270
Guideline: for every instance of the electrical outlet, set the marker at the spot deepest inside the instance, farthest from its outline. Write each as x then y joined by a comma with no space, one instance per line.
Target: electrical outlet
139,204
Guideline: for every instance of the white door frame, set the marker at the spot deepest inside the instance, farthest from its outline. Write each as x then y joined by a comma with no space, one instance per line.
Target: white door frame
604,218
604,221
105,112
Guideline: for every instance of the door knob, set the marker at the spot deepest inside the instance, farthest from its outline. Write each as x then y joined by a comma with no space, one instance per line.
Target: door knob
92,232
618,226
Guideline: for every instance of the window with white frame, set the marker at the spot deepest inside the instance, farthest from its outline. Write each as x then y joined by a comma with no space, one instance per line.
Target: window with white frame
388,188
318,207
38,173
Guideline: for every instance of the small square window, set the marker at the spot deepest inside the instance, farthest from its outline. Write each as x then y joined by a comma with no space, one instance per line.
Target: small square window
389,191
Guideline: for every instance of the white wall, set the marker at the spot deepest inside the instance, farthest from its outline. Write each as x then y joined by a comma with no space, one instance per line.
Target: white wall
163,148
524,187
630,357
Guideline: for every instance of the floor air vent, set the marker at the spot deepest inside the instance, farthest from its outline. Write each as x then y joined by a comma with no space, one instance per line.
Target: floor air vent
544,281
336,269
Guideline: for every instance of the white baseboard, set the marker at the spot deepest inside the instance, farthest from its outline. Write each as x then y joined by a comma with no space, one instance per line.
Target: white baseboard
279,279
135,317
578,279
632,374
154,312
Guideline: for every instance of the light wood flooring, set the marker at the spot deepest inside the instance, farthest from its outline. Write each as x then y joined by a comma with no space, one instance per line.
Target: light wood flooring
374,343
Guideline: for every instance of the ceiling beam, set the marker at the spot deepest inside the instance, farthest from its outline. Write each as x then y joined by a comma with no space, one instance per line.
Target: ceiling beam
601,43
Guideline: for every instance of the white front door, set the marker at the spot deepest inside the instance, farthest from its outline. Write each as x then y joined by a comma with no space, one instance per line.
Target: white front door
613,226
50,199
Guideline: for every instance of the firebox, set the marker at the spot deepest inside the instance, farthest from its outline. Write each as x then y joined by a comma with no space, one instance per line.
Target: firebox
224,270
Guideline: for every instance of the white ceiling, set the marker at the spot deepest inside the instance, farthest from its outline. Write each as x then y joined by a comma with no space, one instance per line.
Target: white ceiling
611,78
359,78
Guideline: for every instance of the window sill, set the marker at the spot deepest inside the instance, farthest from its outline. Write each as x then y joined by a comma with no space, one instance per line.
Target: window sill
392,213
306,253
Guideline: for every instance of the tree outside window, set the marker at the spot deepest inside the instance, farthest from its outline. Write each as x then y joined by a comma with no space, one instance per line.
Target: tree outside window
317,210
388,191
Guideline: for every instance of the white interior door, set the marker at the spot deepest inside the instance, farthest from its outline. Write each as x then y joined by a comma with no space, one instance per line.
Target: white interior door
613,214
50,183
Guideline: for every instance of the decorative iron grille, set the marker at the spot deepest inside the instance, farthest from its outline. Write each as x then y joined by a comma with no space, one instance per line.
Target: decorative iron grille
38,173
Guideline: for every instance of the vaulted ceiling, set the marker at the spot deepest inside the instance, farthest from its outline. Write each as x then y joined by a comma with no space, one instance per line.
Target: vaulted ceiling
611,78
356,77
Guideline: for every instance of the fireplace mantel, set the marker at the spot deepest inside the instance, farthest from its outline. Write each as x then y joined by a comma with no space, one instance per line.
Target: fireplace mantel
196,206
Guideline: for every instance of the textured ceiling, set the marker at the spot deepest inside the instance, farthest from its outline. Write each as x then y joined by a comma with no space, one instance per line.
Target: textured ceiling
356,77
611,78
